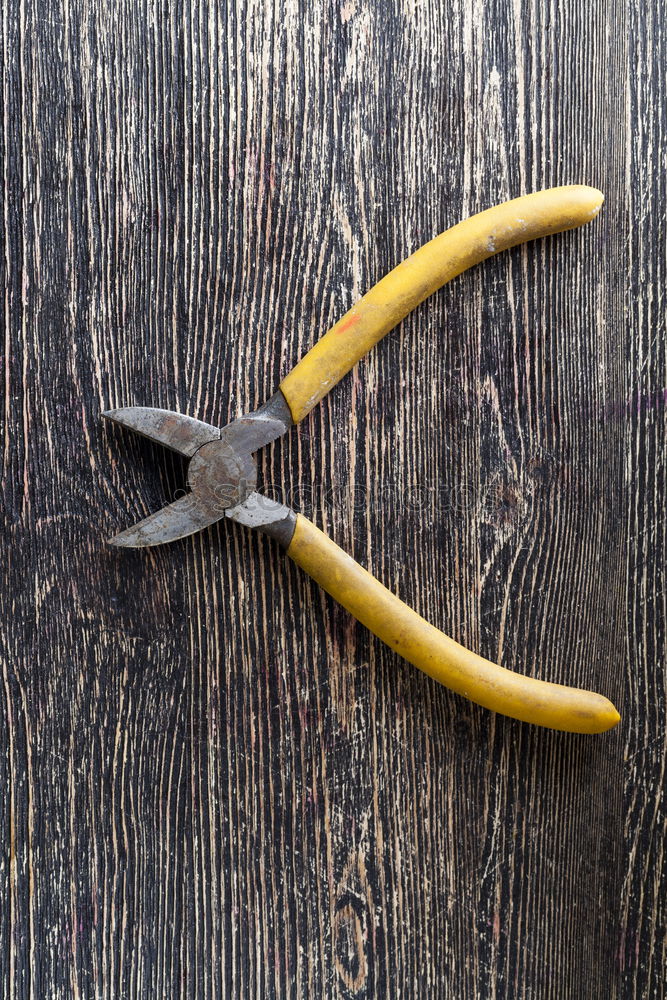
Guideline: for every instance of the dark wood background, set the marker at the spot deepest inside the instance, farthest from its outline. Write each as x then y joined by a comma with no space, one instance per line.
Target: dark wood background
213,782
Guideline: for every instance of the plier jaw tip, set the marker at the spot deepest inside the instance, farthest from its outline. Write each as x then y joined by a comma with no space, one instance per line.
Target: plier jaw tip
177,520
175,431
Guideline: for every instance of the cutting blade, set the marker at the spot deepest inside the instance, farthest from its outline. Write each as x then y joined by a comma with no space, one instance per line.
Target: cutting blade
177,520
173,430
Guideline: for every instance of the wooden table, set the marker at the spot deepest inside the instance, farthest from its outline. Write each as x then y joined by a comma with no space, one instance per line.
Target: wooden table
215,784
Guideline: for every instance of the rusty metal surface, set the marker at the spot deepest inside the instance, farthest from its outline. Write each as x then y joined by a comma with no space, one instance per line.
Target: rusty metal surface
220,476
269,516
222,473
177,520
176,431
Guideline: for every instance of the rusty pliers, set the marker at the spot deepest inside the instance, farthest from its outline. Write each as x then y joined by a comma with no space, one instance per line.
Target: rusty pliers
222,474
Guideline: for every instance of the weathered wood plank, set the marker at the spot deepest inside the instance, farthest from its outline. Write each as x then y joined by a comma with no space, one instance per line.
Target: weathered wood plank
643,941
216,784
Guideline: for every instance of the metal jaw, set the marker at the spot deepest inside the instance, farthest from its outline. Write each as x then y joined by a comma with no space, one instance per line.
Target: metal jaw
222,473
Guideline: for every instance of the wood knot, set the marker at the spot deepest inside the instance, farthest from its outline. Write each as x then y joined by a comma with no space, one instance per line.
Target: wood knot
350,936
352,927
506,503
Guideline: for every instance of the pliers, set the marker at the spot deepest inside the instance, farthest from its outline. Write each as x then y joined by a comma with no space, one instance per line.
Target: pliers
222,473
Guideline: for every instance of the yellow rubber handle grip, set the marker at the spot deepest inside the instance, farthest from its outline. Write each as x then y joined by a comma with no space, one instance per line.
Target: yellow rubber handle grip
553,705
430,267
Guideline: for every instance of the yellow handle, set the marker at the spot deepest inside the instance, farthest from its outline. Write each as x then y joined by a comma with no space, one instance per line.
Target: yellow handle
552,705
432,266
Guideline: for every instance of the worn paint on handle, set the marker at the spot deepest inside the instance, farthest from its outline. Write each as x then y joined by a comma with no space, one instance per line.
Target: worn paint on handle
553,705
430,267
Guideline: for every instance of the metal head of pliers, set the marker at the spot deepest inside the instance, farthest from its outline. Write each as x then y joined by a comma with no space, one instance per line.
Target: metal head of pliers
222,473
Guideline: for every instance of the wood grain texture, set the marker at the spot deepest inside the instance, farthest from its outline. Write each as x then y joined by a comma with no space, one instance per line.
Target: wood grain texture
215,784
